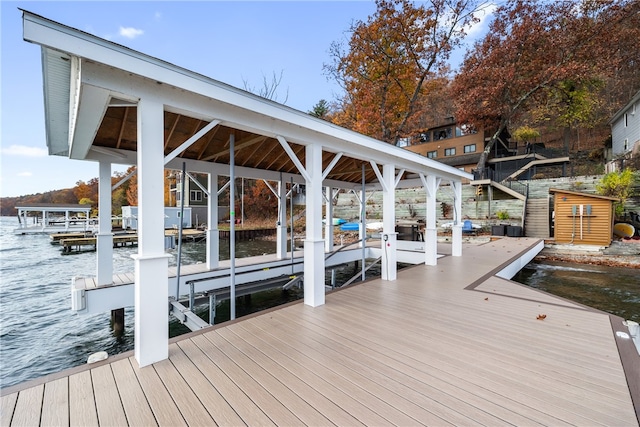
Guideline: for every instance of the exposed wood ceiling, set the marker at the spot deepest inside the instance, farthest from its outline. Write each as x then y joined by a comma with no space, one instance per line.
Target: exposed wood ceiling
118,130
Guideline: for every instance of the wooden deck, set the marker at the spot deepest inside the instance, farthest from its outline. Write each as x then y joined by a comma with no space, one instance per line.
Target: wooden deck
445,345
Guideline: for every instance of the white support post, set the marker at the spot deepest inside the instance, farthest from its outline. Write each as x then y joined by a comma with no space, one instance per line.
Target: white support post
104,239
328,225
213,233
456,249
313,244
281,230
151,264
389,235
430,233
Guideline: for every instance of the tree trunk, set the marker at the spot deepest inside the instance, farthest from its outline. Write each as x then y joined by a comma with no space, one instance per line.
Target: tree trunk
480,167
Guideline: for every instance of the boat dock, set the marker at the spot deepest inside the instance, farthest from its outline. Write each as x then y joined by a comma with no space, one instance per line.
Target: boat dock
452,344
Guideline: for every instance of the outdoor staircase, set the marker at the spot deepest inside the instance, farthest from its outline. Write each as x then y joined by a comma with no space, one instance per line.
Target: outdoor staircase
537,218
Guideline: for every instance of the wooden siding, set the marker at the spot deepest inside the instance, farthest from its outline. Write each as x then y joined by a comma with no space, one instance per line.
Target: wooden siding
597,228
442,345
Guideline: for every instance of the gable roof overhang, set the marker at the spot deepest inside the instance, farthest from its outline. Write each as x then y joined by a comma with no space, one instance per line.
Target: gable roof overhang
91,90
624,109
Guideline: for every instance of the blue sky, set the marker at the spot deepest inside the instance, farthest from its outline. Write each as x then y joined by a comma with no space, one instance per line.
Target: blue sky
236,42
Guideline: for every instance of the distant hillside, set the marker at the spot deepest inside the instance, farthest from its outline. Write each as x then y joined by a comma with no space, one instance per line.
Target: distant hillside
8,204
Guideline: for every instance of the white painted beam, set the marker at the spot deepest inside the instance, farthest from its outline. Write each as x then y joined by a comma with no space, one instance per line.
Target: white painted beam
189,142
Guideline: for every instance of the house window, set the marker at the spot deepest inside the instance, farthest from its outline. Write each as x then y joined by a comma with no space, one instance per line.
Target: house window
449,151
195,196
432,154
471,148
442,134
626,120
626,144
425,137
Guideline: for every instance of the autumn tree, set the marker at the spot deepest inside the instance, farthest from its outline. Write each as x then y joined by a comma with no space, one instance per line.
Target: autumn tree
392,60
532,49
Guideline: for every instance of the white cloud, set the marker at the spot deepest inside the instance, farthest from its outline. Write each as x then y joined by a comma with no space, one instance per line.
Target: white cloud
25,151
484,15
27,173
158,16
130,32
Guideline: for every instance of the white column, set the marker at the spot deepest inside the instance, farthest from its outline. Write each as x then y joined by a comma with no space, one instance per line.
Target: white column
151,263
213,234
431,232
389,235
104,239
328,225
313,244
456,238
281,226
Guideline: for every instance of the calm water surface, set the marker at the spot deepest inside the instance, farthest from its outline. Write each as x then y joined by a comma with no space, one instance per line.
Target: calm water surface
615,290
39,334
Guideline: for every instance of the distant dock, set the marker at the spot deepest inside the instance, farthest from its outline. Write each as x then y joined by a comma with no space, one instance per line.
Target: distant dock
85,241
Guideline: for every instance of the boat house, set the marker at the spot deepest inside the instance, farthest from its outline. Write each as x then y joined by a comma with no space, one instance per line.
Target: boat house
112,105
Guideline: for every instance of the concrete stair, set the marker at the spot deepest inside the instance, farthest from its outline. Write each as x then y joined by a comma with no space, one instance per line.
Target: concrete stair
537,218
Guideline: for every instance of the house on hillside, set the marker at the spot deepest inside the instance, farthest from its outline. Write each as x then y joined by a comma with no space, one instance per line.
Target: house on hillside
461,146
625,134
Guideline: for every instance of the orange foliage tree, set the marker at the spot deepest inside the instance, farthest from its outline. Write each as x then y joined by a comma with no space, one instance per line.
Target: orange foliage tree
533,47
392,62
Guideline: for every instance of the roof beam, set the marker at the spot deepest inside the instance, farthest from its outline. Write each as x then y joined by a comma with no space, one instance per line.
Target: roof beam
287,148
189,142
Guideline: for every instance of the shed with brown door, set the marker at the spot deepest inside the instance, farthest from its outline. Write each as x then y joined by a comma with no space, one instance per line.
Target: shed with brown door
581,218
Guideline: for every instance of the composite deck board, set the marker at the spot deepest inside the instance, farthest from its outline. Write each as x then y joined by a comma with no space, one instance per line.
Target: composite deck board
82,404
442,345
345,361
55,406
250,413
211,399
134,402
188,404
297,385
108,404
7,406
302,409
272,407
27,409
161,403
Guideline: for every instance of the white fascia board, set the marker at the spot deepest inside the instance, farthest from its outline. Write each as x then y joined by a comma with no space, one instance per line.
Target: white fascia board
92,105
49,33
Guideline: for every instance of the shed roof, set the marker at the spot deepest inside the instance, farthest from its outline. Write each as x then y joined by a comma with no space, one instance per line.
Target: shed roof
577,193
92,87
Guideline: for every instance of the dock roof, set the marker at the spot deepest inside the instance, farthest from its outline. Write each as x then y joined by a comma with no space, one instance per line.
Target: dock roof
92,87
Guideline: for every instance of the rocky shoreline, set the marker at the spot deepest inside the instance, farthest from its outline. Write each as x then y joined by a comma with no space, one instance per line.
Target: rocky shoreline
619,254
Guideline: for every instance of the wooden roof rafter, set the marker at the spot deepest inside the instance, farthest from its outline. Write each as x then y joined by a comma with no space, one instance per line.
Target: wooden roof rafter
122,126
170,134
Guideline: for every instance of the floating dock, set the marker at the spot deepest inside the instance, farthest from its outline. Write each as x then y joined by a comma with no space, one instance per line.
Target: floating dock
452,344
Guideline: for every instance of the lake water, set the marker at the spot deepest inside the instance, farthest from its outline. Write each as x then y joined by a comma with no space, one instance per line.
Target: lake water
39,334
